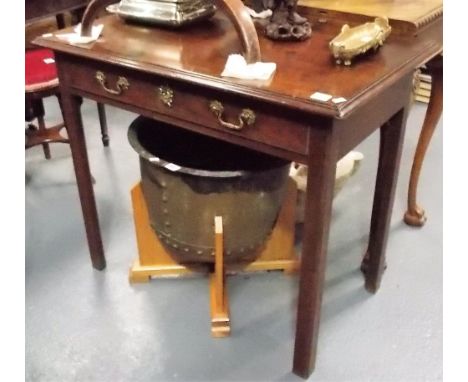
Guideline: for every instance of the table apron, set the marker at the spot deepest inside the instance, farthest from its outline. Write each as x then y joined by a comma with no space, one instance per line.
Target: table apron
276,130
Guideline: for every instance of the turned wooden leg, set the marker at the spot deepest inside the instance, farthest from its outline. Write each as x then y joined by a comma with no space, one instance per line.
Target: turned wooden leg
39,112
319,196
103,123
71,114
415,215
42,128
391,142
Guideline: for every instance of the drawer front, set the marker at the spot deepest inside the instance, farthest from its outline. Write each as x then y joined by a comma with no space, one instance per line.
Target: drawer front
232,114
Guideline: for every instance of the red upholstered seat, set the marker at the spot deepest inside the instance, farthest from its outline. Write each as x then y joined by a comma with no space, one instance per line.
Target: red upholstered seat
40,69
41,81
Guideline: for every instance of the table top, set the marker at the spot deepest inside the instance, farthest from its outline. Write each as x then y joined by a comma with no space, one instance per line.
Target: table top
197,54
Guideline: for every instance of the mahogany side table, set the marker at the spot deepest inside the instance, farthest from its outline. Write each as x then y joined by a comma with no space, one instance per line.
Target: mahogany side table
139,68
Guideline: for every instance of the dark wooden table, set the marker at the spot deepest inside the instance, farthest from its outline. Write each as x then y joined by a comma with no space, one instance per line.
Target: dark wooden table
39,9
288,123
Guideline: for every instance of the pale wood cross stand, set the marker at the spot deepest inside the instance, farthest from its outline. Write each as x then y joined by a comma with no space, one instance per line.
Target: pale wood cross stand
153,259
220,323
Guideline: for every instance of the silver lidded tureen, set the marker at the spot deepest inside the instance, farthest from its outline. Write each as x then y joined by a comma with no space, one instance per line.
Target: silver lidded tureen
172,13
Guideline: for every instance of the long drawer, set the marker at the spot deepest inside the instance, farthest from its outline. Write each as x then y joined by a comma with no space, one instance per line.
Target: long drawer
215,109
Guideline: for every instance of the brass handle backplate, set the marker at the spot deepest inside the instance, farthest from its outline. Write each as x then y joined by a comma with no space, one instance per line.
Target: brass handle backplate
166,95
247,116
121,84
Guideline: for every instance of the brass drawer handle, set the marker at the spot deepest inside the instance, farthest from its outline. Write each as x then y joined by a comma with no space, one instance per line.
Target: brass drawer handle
121,84
247,116
166,95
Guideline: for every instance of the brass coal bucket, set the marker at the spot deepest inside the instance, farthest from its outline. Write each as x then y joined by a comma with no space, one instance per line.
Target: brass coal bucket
187,179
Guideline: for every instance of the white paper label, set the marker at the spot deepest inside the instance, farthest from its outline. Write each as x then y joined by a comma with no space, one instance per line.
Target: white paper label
323,97
172,167
338,100
49,60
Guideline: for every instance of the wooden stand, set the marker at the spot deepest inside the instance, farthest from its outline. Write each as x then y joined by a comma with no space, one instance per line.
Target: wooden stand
220,323
154,261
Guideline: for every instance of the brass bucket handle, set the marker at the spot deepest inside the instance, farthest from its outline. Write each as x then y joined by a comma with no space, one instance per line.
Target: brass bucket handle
247,116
